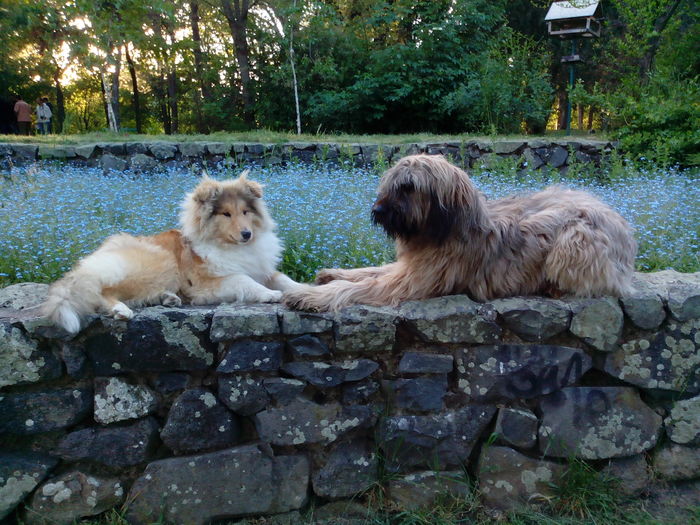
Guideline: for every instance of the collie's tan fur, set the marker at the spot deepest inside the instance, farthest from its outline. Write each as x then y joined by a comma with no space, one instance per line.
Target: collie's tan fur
451,240
226,251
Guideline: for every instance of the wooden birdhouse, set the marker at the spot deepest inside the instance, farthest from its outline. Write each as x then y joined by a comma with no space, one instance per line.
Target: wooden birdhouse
574,19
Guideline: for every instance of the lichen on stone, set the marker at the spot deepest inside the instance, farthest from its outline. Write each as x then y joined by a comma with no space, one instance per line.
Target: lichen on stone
666,361
683,422
18,364
15,488
122,401
178,333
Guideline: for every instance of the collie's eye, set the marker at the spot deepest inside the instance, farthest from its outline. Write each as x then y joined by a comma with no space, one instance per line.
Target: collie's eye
226,214
245,212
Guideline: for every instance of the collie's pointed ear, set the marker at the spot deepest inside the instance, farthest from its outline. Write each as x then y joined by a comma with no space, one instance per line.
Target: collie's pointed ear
255,189
208,190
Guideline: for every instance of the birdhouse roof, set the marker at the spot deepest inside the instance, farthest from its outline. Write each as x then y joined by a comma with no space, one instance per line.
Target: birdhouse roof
575,9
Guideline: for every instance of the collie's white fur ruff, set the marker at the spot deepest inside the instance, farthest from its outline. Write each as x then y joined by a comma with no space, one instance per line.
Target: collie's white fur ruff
227,251
451,240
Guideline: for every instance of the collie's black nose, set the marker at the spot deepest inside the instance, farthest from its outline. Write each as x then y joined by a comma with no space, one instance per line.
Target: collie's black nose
246,234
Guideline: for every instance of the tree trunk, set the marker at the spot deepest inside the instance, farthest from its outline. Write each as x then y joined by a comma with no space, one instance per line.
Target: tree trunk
561,103
111,83
109,98
85,112
204,93
591,113
160,87
105,103
135,91
647,61
60,114
161,95
579,115
172,84
84,117
294,75
296,90
172,101
237,17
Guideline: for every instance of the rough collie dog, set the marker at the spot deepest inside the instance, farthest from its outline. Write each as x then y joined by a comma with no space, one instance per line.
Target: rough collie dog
226,251
451,240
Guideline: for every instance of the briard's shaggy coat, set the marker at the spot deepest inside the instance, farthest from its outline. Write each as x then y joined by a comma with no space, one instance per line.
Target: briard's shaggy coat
451,240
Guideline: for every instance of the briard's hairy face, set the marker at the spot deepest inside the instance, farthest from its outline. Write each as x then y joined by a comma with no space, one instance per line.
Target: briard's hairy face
395,212
410,205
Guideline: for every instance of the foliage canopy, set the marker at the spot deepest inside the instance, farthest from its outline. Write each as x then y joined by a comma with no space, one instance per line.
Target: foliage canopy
361,66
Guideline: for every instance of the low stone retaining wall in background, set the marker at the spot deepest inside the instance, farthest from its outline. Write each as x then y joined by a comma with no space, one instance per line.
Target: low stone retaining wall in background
201,413
137,156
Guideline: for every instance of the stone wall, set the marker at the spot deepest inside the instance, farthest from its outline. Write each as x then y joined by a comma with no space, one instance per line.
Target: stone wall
137,156
204,413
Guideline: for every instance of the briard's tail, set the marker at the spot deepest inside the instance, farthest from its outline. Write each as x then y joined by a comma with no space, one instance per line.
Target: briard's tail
72,298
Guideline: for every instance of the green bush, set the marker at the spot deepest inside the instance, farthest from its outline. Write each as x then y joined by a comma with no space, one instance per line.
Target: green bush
510,92
664,123
659,121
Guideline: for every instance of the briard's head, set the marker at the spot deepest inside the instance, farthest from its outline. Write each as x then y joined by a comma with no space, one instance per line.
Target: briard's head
426,197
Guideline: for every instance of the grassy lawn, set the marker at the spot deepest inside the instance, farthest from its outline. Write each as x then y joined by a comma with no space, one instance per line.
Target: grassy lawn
276,137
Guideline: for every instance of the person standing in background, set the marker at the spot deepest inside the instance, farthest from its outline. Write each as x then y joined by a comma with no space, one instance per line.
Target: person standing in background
23,114
8,122
46,101
43,117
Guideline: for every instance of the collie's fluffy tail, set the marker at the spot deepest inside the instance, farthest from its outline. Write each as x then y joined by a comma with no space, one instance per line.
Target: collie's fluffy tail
72,298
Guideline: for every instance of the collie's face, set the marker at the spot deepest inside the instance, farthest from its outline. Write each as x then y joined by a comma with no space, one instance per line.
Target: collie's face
229,212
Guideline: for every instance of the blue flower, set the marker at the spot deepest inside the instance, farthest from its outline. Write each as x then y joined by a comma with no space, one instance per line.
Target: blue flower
51,217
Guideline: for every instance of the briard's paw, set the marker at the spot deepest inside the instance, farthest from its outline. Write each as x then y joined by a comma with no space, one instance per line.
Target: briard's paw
327,275
122,312
301,298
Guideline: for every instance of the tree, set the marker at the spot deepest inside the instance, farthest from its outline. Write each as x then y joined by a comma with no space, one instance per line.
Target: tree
204,92
645,22
236,13
43,34
102,49
136,98
284,22
363,66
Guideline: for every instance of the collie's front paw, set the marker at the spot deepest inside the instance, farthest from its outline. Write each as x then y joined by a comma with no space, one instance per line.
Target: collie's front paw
274,296
170,299
122,312
327,275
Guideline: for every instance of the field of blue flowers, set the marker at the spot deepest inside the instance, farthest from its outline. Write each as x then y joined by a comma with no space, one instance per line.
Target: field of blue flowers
51,216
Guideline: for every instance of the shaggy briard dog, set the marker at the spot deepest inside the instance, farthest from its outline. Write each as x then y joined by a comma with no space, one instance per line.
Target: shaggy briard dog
451,240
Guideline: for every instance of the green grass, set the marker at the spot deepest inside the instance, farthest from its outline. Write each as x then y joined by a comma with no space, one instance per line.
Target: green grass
270,137
585,494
